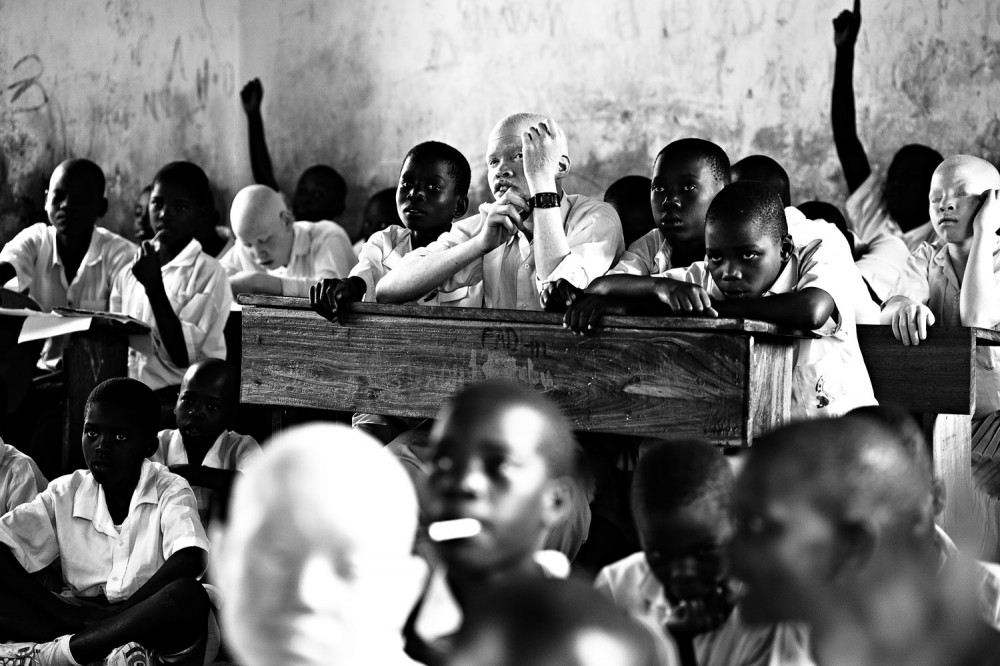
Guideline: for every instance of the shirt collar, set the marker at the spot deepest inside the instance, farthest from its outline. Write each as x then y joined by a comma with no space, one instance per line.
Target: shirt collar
212,457
90,257
89,502
187,256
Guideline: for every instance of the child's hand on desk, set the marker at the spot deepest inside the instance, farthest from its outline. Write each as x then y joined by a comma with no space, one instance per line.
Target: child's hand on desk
910,322
685,298
251,95
559,295
987,220
146,268
586,311
327,297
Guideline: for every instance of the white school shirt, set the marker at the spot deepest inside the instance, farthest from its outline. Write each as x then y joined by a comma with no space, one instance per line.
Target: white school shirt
70,521
882,262
631,585
647,255
199,294
384,250
230,450
40,270
868,215
319,250
507,273
930,278
835,252
829,377
20,478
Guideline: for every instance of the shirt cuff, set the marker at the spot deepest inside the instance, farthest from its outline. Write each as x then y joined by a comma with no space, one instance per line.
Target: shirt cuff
571,269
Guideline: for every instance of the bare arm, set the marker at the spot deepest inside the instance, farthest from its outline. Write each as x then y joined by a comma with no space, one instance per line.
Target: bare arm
260,159
147,271
624,285
807,310
979,302
853,159
254,282
542,162
189,562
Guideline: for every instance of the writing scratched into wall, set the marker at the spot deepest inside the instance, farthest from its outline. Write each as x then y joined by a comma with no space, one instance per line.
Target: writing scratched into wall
23,90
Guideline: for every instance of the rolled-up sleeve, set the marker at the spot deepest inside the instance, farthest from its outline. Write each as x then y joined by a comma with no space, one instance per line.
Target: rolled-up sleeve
203,316
460,232
595,243
179,522
914,281
29,531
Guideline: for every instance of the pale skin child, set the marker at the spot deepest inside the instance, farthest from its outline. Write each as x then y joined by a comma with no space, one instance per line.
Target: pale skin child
431,194
167,613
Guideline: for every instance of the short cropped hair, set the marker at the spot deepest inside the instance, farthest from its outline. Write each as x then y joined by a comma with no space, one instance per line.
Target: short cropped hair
671,475
749,202
559,450
628,188
87,169
192,177
766,170
334,181
134,396
852,465
453,159
716,157
908,432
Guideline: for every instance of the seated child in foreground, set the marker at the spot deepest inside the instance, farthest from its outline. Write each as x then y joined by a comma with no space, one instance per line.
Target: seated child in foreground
276,255
503,468
543,621
752,270
834,527
173,286
680,581
128,540
70,262
315,561
533,234
432,193
202,450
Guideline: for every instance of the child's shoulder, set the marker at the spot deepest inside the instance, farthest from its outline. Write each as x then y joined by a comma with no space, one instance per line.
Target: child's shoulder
113,241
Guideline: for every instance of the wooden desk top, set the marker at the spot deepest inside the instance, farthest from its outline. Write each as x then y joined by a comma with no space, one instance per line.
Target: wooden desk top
726,380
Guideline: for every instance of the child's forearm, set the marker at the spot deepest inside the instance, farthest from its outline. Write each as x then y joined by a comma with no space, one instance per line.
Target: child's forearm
189,562
806,310
423,274
260,158
551,245
623,285
851,153
168,325
979,300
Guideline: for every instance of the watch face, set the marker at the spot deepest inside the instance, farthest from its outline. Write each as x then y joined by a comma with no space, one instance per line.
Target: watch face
546,200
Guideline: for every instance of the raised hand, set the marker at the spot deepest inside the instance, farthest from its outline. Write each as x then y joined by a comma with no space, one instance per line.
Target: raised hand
503,220
541,150
251,95
846,26
146,267
987,219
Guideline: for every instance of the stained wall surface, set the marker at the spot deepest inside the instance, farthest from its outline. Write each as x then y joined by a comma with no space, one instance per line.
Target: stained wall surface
355,83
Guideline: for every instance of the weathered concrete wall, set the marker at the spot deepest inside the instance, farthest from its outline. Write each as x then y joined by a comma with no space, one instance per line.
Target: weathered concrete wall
355,83
130,84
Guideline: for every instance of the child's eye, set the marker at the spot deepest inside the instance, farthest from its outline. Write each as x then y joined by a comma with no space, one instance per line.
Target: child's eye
750,256
655,188
120,437
443,464
519,156
712,259
90,434
493,162
434,188
690,187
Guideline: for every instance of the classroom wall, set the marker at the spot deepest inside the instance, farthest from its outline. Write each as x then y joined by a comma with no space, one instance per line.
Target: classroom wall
131,84
355,83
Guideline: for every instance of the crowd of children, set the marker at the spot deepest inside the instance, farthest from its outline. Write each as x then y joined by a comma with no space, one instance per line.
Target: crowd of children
456,540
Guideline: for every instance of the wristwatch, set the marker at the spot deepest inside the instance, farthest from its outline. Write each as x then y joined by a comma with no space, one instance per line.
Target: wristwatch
545,200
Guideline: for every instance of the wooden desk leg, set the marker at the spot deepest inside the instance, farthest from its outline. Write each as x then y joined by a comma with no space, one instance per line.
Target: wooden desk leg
88,359
950,436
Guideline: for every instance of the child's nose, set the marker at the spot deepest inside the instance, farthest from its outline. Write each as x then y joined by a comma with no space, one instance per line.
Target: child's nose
415,194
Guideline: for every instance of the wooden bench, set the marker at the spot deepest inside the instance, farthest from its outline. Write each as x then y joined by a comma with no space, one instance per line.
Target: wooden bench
936,377
725,380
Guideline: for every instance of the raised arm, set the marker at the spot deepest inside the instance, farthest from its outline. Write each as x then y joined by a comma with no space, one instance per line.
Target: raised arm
542,164
979,302
260,159
853,159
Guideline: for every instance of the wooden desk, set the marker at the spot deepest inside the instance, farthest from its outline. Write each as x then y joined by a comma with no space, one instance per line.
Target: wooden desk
725,380
936,377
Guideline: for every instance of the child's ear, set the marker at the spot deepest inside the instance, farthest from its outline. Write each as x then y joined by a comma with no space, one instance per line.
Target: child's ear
787,247
557,500
564,166
855,544
287,218
461,208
